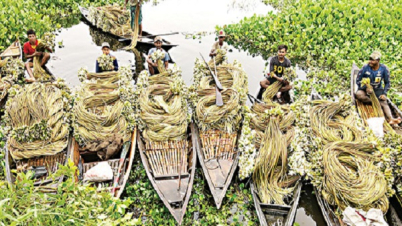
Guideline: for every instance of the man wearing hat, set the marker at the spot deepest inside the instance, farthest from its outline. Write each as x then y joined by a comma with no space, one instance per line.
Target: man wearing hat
106,51
378,74
220,44
153,66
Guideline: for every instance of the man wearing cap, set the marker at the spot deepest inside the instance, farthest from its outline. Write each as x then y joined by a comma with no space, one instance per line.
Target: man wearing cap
153,66
220,44
106,51
378,74
133,5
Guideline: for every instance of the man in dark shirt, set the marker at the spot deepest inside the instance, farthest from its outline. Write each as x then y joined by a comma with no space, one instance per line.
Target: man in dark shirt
378,73
106,51
277,67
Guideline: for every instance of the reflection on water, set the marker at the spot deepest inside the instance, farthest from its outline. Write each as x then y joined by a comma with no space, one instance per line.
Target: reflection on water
309,213
99,37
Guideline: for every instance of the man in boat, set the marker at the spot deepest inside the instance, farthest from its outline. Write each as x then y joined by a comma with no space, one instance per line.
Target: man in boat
30,52
378,74
277,67
133,6
220,44
153,66
106,51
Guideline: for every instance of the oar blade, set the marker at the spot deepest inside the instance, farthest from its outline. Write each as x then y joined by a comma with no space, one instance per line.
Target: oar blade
219,99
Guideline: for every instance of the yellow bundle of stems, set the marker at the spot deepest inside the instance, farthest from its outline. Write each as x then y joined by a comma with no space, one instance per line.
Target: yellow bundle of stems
163,112
350,175
374,110
270,173
134,36
259,120
32,105
351,178
271,91
99,122
227,117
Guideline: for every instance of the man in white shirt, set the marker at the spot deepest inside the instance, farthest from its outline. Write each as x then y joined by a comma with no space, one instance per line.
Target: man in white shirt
220,44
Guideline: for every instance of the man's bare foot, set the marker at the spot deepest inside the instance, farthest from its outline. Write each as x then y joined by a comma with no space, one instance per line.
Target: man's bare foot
30,80
395,121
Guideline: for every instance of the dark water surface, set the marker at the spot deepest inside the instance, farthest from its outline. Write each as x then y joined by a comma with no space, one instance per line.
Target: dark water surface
82,47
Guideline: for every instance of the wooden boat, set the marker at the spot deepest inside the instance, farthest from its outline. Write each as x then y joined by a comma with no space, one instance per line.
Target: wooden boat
328,213
353,88
86,160
269,214
396,113
14,51
166,45
172,184
218,171
51,163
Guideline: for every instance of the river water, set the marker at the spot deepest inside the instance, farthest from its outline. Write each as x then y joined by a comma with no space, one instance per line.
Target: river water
81,47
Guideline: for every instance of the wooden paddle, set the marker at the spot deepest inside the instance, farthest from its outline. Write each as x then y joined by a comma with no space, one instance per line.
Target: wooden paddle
148,36
253,99
218,88
126,147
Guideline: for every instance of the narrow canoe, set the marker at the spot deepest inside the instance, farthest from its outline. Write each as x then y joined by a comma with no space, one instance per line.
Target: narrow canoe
269,214
87,160
14,51
218,171
51,163
150,44
172,180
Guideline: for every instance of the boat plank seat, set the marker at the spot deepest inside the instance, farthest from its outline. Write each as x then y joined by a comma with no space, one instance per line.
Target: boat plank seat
170,190
171,176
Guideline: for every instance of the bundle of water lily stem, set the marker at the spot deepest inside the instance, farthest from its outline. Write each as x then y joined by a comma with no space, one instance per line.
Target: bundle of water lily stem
103,115
352,171
392,140
36,119
39,72
219,125
207,114
367,111
116,20
284,86
273,132
164,118
113,18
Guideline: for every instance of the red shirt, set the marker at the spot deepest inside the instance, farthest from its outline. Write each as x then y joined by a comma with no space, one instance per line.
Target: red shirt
30,49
